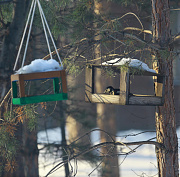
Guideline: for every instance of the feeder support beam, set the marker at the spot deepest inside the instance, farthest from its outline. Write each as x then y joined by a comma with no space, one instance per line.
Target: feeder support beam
124,87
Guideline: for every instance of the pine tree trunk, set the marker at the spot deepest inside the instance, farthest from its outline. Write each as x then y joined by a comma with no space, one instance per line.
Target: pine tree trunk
106,119
27,157
167,157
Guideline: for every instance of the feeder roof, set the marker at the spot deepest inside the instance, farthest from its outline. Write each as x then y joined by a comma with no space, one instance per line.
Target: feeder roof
40,65
135,63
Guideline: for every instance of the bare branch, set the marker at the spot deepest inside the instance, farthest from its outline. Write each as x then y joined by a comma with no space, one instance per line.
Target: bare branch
175,41
104,144
138,29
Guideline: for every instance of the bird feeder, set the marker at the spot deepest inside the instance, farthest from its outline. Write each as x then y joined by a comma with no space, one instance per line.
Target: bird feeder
20,97
124,97
59,87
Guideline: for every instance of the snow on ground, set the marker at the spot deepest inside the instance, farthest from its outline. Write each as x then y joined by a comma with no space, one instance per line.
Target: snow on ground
50,136
141,163
40,65
131,63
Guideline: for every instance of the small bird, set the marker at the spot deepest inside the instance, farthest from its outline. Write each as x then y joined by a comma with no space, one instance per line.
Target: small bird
111,91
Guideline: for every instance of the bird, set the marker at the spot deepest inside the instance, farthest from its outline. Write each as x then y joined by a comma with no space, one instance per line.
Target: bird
111,91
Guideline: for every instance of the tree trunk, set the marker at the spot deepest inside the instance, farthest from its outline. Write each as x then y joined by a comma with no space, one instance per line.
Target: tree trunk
27,157
106,119
167,157
12,39
29,153
63,135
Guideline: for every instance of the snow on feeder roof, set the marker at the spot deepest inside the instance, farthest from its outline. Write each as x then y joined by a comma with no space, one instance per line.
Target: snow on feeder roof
135,63
40,65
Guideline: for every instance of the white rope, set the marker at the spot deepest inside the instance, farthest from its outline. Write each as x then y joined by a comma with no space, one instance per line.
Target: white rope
41,11
23,35
30,27
44,27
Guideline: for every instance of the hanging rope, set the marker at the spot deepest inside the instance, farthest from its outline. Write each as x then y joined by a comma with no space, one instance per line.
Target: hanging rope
30,27
42,19
45,25
24,34
41,11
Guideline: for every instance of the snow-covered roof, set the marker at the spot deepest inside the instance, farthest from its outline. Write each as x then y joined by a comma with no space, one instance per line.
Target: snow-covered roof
40,65
135,63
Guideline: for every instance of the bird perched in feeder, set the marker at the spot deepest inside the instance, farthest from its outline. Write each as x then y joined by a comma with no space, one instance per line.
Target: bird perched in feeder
111,91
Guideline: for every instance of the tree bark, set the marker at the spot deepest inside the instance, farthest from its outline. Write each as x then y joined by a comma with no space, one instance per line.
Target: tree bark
167,157
27,156
12,39
63,135
106,119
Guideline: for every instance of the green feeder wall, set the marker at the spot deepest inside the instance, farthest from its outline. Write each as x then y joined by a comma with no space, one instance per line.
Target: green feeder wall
18,83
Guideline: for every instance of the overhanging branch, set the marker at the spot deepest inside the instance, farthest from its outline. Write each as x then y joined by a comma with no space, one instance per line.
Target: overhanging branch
138,29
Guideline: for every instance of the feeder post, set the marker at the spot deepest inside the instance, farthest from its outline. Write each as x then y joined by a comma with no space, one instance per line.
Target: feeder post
89,82
124,87
159,83
63,81
21,86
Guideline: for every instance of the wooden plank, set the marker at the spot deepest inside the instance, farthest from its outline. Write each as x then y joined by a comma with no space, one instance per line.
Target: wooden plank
124,87
39,75
104,98
159,88
21,86
133,100
64,81
89,83
145,100
14,77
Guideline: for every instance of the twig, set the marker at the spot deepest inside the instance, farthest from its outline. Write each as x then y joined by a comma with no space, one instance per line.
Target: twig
102,145
129,13
6,97
116,39
138,29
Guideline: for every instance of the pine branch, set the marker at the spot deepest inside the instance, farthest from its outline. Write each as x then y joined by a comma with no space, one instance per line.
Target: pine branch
6,1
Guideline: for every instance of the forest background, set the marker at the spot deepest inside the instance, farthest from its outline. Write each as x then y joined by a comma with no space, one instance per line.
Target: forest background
85,32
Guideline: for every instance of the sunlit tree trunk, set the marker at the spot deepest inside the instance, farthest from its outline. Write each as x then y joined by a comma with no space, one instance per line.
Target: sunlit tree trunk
167,157
106,119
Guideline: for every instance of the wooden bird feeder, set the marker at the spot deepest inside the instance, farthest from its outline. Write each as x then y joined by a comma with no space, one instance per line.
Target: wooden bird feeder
58,77
59,87
124,97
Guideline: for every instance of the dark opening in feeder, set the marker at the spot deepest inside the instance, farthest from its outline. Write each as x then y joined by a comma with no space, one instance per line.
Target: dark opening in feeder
124,97
20,97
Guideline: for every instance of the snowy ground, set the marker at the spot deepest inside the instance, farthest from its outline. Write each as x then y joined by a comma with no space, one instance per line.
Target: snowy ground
141,163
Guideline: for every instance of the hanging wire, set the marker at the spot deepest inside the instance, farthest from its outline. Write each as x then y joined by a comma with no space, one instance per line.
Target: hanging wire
40,9
32,4
44,27
30,27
